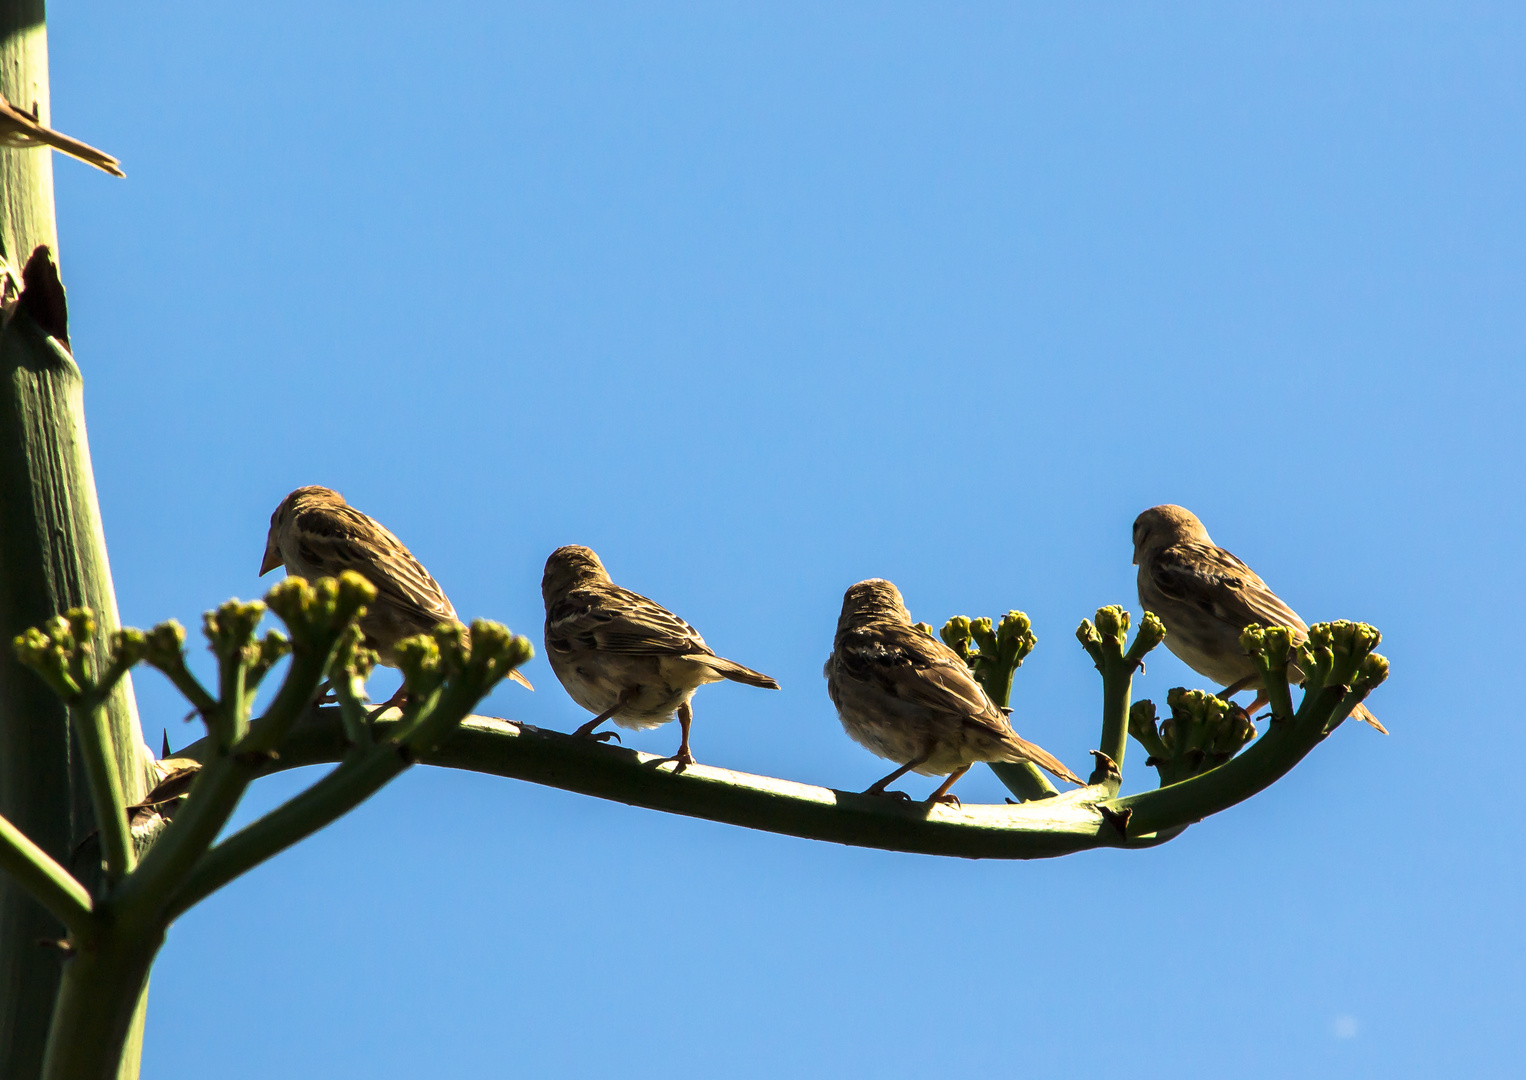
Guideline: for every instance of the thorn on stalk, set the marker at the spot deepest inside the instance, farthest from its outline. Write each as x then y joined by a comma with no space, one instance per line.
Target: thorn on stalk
1106,764
42,295
1118,819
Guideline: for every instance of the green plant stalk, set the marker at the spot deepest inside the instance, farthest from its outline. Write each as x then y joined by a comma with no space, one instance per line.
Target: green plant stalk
1117,689
99,1003
1058,826
1259,766
52,558
296,693
52,886
143,895
1023,778
232,676
93,730
216,791
356,779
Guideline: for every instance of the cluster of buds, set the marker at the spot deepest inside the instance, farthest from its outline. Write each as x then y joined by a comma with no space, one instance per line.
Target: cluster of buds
993,651
62,649
1106,636
1341,654
476,659
229,630
1202,732
317,613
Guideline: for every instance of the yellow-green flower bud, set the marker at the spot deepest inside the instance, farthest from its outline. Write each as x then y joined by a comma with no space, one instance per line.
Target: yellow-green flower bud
419,659
1277,645
81,624
956,635
290,600
450,639
128,646
1374,669
926,628
1142,720
1234,732
354,594
1151,632
57,629
984,635
164,645
1112,622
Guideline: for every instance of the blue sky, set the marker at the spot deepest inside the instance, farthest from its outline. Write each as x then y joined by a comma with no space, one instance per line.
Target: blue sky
759,301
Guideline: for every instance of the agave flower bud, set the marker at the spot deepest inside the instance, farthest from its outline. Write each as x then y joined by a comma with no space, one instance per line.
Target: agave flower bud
1113,622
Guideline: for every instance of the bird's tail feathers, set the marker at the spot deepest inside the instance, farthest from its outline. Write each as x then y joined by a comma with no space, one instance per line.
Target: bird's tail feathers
730,669
1023,750
1362,713
520,679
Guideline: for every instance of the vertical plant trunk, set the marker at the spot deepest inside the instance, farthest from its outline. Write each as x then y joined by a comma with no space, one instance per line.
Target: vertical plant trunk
52,557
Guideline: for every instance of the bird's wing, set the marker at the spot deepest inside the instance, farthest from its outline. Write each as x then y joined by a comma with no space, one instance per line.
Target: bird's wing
339,538
1216,583
615,620
906,663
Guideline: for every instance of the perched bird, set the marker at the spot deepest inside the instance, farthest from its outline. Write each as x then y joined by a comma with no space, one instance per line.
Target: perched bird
20,128
1206,597
315,534
908,697
622,656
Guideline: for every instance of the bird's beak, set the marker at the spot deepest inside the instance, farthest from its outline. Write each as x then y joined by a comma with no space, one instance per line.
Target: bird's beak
272,559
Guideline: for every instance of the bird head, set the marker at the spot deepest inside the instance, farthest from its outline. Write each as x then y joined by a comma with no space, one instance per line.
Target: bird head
297,501
1163,526
569,567
875,600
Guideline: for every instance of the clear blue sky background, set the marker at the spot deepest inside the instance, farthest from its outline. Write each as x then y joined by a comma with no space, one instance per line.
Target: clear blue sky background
762,300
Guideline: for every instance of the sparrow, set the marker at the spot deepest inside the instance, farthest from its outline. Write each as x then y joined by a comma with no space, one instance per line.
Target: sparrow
1206,597
909,698
20,128
622,656
314,533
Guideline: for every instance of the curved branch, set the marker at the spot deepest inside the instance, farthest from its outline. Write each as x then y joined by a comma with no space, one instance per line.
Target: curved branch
1039,829
1078,820
53,887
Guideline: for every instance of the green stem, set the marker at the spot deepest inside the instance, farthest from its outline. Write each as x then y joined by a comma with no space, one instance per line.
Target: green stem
295,695
191,689
53,886
356,779
214,795
1023,778
1056,826
1266,760
99,1004
1117,688
233,706
93,731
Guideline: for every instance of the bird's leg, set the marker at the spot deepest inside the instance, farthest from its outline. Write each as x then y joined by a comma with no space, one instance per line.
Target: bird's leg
1235,687
587,730
1261,699
399,698
878,787
942,795
685,718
